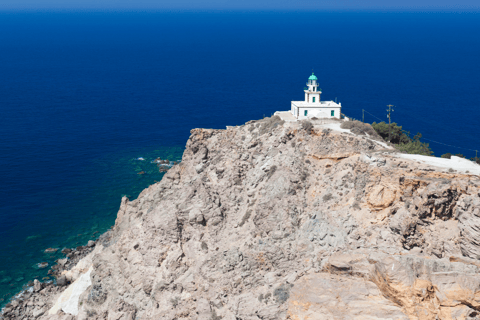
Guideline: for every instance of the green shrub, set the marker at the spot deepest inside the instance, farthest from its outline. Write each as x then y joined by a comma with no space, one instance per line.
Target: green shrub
402,139
475,159
415,146
397,134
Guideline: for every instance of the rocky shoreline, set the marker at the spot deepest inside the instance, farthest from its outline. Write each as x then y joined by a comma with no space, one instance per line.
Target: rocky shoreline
33,302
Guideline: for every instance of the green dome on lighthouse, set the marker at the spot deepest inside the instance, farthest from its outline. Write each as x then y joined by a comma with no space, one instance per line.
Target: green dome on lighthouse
312,77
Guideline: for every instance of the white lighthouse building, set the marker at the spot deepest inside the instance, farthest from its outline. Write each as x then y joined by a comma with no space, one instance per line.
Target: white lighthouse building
312,106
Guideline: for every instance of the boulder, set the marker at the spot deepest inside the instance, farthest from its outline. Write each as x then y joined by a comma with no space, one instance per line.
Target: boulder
37,285
66,251
61,281
62,262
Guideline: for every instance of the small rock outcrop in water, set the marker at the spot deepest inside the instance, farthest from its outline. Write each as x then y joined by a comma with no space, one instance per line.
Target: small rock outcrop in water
37,299
275,220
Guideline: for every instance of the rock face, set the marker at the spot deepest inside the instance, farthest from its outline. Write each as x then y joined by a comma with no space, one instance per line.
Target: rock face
275,220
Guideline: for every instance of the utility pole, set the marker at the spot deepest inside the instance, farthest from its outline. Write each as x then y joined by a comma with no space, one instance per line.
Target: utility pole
390,110
363,115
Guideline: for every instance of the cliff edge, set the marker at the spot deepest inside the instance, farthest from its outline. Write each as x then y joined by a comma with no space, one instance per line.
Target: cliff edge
276,220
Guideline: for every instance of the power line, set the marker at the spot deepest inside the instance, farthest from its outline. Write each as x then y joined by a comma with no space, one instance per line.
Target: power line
448,145
429,122
373,115
443,127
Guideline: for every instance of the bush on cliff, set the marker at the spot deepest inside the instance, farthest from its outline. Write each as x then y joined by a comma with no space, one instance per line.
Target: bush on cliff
397,135
401,138
475,159
449,156
415,146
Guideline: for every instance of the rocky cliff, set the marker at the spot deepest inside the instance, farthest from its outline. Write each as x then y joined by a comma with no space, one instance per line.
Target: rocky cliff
274,220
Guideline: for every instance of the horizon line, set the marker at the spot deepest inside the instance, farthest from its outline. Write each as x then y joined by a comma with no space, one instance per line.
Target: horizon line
423,9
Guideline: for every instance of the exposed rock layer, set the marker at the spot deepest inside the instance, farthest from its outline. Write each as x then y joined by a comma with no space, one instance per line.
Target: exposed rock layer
275,220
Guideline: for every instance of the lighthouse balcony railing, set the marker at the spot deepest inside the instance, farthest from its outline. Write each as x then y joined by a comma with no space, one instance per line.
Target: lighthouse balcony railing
318,89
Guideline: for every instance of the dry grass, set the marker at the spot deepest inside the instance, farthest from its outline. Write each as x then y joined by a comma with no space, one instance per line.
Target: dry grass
307,126
268,124
360,128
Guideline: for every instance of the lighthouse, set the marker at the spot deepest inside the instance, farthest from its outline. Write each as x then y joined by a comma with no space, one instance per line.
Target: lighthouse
312,106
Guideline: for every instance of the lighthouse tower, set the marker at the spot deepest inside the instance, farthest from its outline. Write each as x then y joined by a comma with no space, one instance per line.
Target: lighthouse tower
312,92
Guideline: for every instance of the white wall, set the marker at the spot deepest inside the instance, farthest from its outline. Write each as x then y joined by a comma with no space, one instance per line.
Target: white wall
318,112
309,97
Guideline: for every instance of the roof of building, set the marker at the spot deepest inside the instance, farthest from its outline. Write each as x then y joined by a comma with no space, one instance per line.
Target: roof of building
312,77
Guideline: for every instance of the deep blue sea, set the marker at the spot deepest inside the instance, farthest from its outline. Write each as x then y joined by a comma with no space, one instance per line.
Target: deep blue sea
84,94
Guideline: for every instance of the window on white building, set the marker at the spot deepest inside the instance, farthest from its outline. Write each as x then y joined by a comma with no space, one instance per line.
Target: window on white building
332,113
306,112
313,99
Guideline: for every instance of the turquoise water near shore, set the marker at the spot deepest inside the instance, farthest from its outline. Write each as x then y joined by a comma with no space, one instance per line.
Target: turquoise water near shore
85,94
81,211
